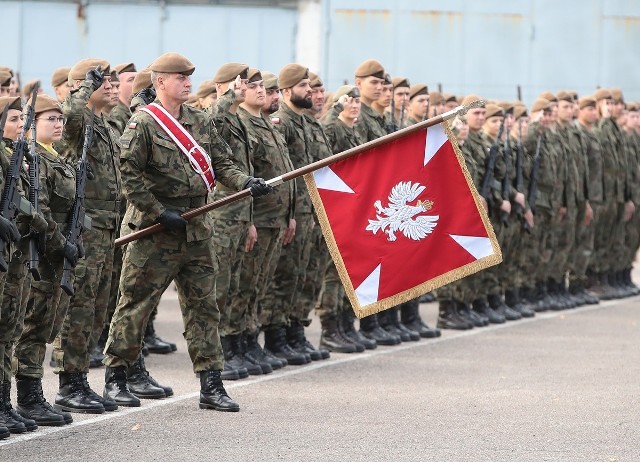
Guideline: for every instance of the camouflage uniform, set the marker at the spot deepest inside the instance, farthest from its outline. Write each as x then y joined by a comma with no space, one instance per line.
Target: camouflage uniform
371,125
88,307
157,177
632,227
119,117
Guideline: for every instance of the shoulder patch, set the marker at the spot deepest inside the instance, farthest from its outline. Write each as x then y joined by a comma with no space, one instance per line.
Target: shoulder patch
133,125
275,120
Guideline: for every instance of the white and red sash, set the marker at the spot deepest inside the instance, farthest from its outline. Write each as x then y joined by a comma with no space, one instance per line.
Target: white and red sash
198,158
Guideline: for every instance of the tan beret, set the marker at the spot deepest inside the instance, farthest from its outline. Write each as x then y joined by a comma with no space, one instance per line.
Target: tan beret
6,69
617,95
229,71
172,63
632,107
80,69
315,81
436,98
349,90
291,74
142,80
60,76
387,80
449,97
28,87
540,105
206,88
46,103
417,90
401,82
602,93
587,101
14,102
494,110
125,67
520,111
565,96
370,67
5,78
548,96
115,76
270,80
574,94
254,75
506,106
469,99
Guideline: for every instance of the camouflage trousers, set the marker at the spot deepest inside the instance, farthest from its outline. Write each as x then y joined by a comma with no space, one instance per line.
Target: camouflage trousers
583,250
565,235
45,313
543,240
606,233
149,266
490,278
88,307
279,304
229,244
331,298
511,247
114,292
313,280
15,283
632,237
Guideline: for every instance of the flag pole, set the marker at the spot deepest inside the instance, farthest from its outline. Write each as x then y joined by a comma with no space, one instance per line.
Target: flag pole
460,110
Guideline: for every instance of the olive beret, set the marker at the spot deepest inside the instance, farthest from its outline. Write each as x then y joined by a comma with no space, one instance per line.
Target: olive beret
540,105
349,90
520,111
401,82
172,63
5,78
587,101
28,87
315,80
565,96
206,88
142,80
60,76
270,80
370,67
548,96
494,110
470,99
125,67
507,107
254,75
46,103
14,102
229,71
436,98
291,74
616,94
80,69
417,90
115,76
602,93
449,97
387,80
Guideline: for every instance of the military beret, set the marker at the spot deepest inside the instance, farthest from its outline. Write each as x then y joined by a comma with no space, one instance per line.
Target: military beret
616,95
291,74
254,75
449,97
142,80
602,93
387,80
633,107
125,67
370,67
436,98
469,99
60,76
494,110
7,69
574,94
507,107
229,71
565,96
540,105
80,69
520,111
349,90
417,90
14,102
28,87
548,96
315,80
172,63
5,78
270,80
115,75
206,88
587,101
46,103
401,82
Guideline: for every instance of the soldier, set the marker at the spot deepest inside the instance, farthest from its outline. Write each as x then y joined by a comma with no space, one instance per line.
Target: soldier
400,101
28,88
436,104
450,101
207,94
632,230
6,76
120,114
418,103
60,83
383,103
272,97
160,183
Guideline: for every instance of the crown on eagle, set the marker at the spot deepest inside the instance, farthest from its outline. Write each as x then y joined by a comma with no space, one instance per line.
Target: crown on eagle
426,205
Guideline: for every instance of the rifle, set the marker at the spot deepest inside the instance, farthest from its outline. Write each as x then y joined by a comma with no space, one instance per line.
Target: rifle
12,201
532,197
77,221
392,123
506,186
487,179
36,240
519,166
401,115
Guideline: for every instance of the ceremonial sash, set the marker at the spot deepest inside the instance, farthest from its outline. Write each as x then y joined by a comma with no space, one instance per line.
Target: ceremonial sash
198,158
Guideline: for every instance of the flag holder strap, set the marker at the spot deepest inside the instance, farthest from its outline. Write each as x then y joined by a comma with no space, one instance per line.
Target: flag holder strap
458,111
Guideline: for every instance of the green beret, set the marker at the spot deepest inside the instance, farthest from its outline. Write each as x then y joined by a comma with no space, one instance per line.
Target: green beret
292,74
60,76
370,67
417,90
270,80
80,69
230,71
125,67
172,63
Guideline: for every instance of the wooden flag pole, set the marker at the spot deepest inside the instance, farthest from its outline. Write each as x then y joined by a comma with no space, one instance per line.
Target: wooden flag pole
460,110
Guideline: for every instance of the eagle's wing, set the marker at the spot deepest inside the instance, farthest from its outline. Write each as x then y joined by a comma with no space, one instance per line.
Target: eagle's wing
404,192
420,227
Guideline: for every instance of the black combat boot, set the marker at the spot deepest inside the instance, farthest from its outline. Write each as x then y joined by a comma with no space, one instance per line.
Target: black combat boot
233,355
396,318
370,328
32,405
254,349
7,420
116,389
350,332
8,410
139,384
154,343
275,342
387,320
213,395
240,346
587,297
448,317
410,316
471,317
542,300
513,300
427,298
108,404
624,290
331,339
498,305
298,342
4,431
608,292
72,396
481,306
634,289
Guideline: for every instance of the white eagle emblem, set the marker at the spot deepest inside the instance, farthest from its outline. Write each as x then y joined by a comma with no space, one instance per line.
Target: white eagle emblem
400,216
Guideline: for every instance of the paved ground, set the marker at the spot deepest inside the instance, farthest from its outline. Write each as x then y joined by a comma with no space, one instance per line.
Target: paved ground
560,387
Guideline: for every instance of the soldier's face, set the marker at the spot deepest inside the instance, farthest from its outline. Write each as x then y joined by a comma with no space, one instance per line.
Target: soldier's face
565,111
255,94
5,91
176,86
385,96
14,124
450,105
588,115
418,106
547,118
370,87
522,125
208,100
401,97
492,126
62,91
317,98
126,86
300,94
475,118
351,109
509,121
49,126
272,101
115,93
102,96
616,109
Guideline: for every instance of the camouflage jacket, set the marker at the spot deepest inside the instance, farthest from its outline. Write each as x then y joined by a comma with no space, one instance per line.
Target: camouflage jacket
119,117
104,193
574,164
270,159
632,142
319,144
549,178
613,165
341,137
503,171
157,176
593,154
371,125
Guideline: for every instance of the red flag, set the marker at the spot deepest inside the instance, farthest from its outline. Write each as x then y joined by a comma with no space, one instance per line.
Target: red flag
402,219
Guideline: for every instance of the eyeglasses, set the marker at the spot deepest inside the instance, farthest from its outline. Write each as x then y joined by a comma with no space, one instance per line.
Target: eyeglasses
54,119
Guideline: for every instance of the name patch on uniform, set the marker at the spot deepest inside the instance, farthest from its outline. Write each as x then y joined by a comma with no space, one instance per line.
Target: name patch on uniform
275,120
133,125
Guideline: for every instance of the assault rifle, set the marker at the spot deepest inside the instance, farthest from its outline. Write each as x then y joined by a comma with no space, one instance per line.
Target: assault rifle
532,197
506,181
12,201
77,221
36,240
490,165
519,167
392,122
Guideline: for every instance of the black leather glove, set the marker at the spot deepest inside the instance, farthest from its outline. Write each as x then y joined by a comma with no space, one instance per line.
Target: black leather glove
8,230
257,186
148,95
172,220
95,76
70,252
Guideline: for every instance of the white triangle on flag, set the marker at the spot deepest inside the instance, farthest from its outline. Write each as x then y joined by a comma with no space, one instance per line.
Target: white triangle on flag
327,179
436,137
479,247
367,292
